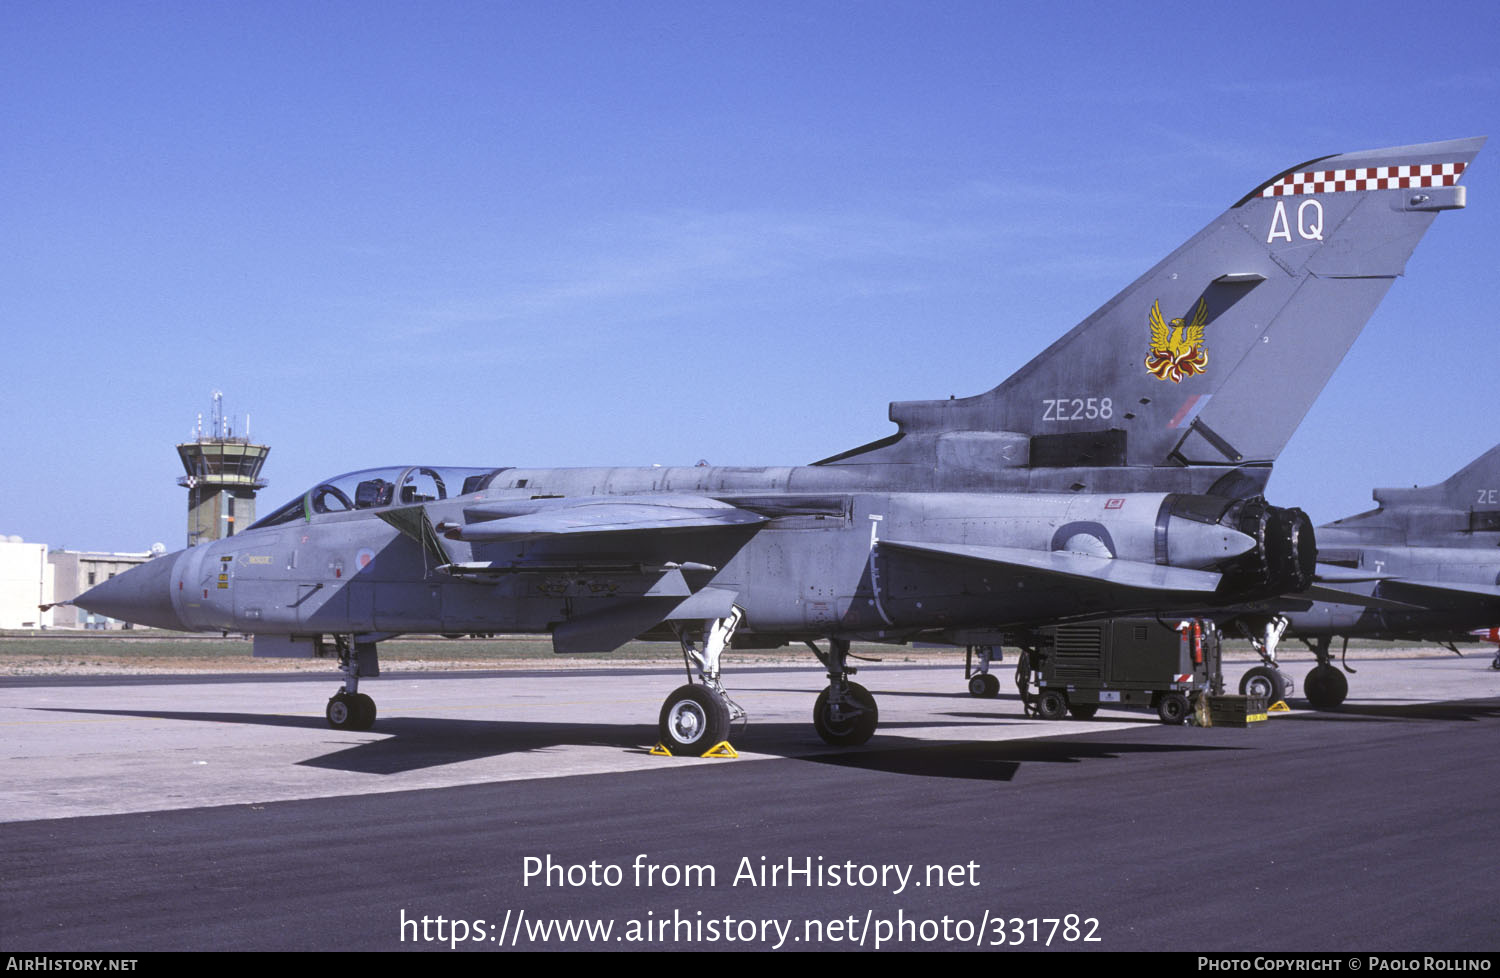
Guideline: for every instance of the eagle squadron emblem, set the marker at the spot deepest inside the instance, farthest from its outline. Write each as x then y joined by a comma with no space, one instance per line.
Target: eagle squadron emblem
1177,350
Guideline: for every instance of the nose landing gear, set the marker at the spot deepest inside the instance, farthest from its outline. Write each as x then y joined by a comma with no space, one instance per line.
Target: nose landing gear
349,709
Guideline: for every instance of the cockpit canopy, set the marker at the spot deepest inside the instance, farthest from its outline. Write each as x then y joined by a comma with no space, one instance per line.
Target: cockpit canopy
408,485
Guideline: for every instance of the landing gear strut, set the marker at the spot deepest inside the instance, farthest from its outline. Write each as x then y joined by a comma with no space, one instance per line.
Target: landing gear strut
349,709
697,716
845,714
1326,685
1267,680
982,682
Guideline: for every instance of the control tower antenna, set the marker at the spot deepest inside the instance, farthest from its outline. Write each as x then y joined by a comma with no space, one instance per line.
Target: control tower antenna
223,476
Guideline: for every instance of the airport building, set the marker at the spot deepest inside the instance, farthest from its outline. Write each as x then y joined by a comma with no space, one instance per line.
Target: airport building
74,572
25,584
34,579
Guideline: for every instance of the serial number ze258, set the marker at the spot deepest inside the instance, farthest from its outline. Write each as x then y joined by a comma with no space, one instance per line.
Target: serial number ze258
1076,408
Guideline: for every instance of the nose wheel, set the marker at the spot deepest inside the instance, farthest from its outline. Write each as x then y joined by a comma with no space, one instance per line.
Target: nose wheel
349,709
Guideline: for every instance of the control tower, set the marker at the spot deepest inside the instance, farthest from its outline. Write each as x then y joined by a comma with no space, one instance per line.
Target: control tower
223,476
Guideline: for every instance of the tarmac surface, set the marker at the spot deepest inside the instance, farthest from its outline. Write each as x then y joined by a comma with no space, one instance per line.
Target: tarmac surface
490,811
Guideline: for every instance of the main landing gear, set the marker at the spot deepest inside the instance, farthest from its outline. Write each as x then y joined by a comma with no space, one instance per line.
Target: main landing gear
1326,685
349,709
845,714
1266,680
697,716
982,683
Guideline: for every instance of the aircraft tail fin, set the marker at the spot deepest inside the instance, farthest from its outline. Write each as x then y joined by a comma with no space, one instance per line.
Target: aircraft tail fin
1474,488
1213,356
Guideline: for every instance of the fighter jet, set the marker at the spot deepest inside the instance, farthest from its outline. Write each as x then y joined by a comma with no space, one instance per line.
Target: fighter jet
1119,471
1423,565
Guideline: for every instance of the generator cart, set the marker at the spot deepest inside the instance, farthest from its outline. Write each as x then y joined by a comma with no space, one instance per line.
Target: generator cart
1172,667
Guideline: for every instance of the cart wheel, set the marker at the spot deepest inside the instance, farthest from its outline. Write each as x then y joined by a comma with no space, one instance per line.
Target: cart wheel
1051,705
1173,708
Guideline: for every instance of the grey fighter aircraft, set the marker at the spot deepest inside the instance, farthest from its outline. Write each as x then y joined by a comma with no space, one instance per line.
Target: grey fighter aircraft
1424,565
1119,471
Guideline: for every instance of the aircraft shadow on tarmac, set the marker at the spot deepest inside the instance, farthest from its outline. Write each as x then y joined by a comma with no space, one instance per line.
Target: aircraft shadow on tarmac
1462,711
415,743
997,760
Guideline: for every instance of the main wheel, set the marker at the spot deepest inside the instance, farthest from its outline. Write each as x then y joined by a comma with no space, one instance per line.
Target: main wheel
364,712
342,712
693,719
1264,681
1051,705
855,721
1173,708
985,685
1326,687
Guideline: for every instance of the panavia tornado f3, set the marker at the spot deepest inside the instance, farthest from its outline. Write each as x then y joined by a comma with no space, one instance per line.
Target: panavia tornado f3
1422,566
1120,471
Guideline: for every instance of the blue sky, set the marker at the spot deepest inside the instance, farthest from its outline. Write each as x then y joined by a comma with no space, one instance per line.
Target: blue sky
633,233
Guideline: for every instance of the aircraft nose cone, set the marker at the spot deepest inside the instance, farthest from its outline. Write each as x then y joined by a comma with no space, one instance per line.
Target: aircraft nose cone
142,595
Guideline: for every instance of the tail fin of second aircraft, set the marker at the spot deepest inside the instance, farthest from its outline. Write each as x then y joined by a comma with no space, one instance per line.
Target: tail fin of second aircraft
1212,358
1462,511
1468,501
